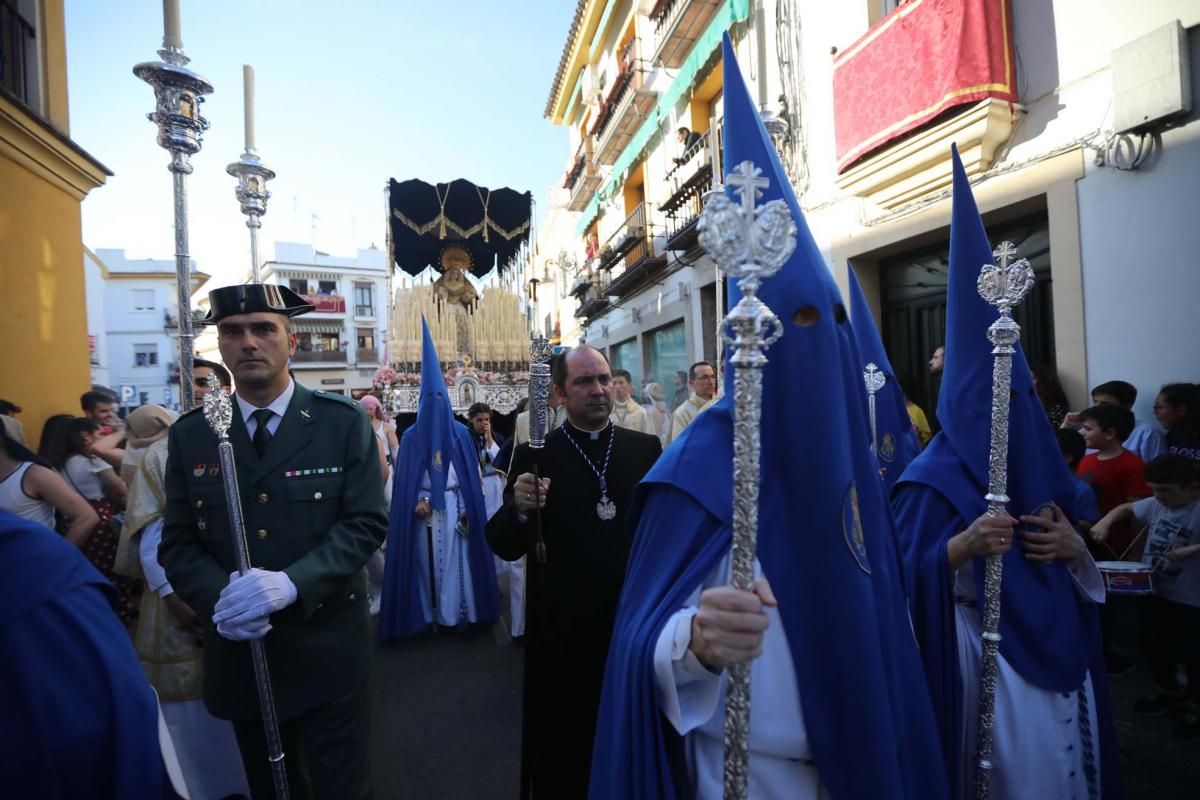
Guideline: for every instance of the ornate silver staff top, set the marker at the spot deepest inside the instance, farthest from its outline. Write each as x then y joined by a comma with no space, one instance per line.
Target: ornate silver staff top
178,93
875,380
1003,285
252,196
539,390
749,243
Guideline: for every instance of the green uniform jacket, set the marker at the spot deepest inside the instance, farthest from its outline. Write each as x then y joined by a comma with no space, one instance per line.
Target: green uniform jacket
313,507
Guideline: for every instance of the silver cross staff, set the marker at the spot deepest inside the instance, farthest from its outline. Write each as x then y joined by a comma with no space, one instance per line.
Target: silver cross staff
1002,285
218,411
749,243
875,381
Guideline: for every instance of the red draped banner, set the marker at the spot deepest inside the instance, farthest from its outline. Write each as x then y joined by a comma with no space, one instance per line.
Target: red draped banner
923,58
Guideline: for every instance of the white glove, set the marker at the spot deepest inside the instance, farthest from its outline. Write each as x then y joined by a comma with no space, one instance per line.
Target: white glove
253,597
254,629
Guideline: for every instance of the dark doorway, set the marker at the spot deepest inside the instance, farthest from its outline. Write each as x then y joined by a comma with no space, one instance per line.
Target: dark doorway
913,288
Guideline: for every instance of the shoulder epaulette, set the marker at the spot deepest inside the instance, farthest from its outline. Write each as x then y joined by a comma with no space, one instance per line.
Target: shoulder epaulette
341,398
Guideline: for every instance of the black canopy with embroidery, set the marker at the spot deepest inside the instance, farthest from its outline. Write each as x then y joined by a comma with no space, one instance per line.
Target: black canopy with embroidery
425,218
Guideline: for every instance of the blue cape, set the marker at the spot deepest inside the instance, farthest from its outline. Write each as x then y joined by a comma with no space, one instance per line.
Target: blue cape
434,442
1049,632
825,543
80,719
897,443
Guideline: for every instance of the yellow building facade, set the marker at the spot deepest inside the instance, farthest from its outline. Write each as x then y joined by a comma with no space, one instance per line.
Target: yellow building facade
44,177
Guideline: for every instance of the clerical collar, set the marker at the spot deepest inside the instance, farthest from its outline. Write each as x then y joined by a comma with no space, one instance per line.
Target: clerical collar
593,435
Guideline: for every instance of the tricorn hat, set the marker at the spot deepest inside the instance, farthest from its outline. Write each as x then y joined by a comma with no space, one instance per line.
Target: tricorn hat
253,297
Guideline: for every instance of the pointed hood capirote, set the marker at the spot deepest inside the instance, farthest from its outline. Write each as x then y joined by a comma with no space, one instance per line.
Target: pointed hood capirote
835,574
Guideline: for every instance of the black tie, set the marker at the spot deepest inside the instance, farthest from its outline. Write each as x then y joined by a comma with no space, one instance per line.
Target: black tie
262,436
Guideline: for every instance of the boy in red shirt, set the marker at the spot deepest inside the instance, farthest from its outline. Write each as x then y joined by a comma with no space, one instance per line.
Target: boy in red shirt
1117,476
1114,472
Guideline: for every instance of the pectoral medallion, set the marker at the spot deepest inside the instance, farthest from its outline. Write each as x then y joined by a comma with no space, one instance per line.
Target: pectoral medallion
606,509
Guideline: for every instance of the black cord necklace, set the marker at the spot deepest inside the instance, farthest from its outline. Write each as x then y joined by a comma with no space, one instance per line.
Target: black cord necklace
606,509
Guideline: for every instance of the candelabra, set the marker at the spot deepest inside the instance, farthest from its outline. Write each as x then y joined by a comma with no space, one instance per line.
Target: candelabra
252,195
178,93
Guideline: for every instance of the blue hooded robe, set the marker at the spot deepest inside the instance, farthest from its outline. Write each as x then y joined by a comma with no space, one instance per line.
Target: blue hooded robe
435,441
825,544
77,717
1050,634
896,441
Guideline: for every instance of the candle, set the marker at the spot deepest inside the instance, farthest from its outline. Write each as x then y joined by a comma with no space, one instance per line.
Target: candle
171,36
248,99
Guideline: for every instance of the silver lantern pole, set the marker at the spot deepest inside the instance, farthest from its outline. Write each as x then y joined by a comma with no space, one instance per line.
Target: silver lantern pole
539,414
1002,285
218,411
178,93
875,380
749,243
252,175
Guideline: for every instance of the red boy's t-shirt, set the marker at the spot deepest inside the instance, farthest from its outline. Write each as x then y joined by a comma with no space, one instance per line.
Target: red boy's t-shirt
1116,481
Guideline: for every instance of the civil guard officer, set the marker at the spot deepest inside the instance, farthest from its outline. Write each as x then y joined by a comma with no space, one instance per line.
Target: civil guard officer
312,495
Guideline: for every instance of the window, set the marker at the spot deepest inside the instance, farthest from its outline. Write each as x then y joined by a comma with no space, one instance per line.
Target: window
19,56
143,398
666,357
143,299
625,355
366,338
326,287
145,355
298,285
363,306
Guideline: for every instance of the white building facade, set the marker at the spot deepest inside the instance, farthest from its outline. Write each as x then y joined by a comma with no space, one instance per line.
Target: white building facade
132,326
342,342
1082,143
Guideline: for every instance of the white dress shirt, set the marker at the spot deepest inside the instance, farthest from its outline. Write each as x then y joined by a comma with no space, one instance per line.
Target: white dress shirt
279,405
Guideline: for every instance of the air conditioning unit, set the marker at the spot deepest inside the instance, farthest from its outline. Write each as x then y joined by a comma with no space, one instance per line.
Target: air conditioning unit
1151,80
589,83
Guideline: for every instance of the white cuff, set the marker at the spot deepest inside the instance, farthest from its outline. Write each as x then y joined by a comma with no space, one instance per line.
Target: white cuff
1088,580
688,692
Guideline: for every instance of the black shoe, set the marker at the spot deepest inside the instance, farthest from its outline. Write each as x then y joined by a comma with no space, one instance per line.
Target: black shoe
1188,726
1154,704
1119,666
466,631
518,641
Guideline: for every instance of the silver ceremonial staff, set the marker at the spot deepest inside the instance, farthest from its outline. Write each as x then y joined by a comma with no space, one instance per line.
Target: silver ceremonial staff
1002,285
749,243
218,410
875,381
539,412
178,93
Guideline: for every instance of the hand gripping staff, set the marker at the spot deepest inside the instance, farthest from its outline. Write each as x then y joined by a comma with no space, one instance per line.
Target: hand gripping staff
749,243
218,411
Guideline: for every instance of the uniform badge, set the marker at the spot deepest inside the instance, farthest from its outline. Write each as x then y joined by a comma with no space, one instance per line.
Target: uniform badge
198,470
437,460
852,528
274,297
887,447
304,413
213,470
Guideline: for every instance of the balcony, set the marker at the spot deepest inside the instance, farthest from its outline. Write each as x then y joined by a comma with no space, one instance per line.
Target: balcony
317,358
678,24
691,177
582,179
622,110
18,42
926,76
169,321
628,258
367,355
326,303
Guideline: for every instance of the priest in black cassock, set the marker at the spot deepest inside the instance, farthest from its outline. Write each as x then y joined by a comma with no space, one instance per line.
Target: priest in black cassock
589,468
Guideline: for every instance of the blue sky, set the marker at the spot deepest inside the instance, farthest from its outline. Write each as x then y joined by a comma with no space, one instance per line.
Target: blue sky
348,94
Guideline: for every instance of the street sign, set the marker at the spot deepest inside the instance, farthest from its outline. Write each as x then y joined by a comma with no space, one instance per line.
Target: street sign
129,394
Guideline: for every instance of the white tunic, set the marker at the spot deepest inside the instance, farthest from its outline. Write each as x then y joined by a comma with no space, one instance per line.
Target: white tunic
452,564
693,701
1037,745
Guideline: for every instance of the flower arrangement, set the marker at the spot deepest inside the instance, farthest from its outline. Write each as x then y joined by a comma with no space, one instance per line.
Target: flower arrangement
384,375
